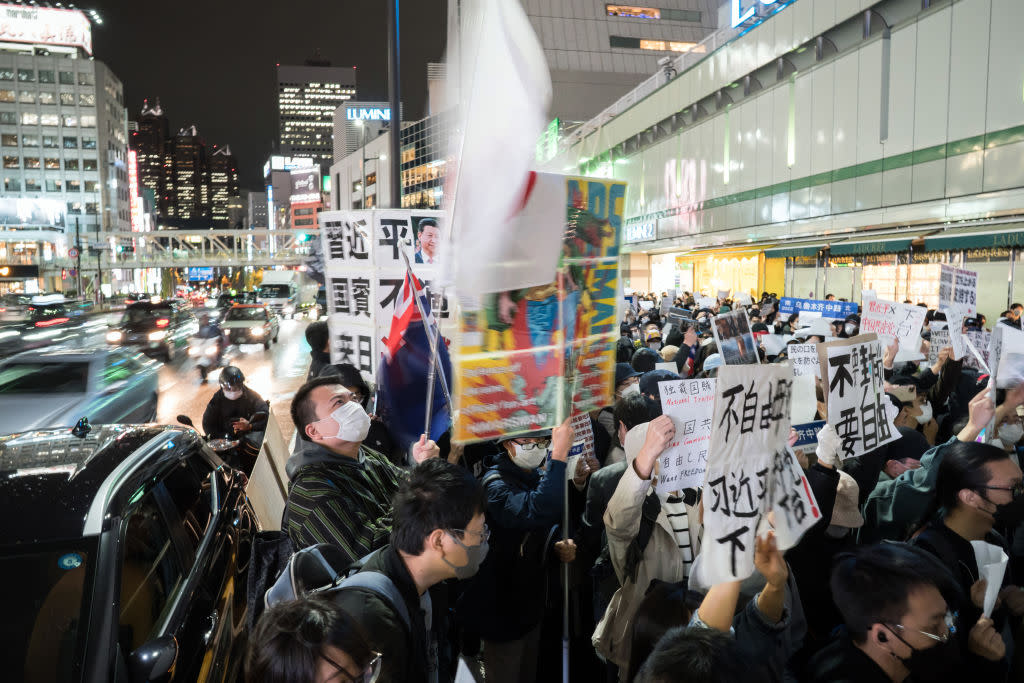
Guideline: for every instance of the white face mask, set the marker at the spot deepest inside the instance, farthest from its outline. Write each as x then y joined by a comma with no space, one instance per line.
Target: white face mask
1011,433
926,414
850,328
232,395
350,420
631,390
654,346
529,456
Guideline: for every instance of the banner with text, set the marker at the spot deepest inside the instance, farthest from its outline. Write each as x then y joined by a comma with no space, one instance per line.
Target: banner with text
690,403
836,310
891,321
959,287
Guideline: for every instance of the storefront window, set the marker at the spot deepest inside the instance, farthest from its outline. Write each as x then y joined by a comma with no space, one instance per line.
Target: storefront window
993,268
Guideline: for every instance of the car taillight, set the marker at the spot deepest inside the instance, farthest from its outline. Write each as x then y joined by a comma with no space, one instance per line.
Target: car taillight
51,322
3,310
162,322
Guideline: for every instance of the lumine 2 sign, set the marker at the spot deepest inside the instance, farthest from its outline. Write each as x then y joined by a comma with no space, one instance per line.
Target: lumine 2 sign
744,9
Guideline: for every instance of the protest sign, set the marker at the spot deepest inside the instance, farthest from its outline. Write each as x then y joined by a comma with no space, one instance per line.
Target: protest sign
527,358
364,268
959,287
955,324
690,403
706,302
992,561
773,344
852,371
892,321
646,305
804,359
767,309
744,299
735,341
723,294
804,404
807,433
834,310
583,442
791,500
1006,356
680,318
938,341
750,425
666,304
670,367
977,343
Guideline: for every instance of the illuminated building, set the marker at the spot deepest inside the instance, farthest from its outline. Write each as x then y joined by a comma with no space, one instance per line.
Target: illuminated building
307,97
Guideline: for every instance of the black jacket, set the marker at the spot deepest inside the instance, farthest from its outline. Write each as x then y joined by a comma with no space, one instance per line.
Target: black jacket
842,662
318,360
405,655
221,412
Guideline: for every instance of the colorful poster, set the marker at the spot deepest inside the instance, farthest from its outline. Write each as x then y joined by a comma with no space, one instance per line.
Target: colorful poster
690,403
750,425
529,357
852,372
734,339
836,310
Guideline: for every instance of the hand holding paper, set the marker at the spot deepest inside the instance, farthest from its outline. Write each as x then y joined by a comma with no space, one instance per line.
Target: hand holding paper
992,563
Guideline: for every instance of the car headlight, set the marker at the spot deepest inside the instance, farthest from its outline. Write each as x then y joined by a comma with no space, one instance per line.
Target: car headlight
257,331
114,336
159,335
289,310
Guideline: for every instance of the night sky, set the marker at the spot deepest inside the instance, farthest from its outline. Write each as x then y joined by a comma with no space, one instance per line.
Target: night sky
211,62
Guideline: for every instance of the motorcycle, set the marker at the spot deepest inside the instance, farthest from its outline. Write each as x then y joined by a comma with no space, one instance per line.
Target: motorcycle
240,451
207,354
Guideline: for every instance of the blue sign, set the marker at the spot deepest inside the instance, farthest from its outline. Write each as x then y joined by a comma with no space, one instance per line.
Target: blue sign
368,114
835,310
200,274
807,434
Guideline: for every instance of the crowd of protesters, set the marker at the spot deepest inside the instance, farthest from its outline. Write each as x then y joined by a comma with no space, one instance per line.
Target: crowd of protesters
885,587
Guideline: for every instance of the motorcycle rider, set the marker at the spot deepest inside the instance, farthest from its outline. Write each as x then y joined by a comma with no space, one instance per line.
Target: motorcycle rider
230,410
209,329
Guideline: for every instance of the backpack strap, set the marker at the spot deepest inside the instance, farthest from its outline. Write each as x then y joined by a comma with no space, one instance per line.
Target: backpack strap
383,586
635,552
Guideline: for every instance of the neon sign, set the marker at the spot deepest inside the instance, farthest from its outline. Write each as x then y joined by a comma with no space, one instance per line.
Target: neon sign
368,114
133,191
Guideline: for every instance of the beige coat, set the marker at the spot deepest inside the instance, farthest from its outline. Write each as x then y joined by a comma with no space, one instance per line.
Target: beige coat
662,558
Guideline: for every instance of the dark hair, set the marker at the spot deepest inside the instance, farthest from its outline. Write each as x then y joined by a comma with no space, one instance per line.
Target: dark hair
631,411
665,606
317,335
963,467
348,375
290,637
436,495
303,409
645,359
698,655
870,585
1013,306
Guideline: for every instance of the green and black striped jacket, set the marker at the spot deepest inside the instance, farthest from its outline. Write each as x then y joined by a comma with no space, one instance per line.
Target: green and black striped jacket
343,501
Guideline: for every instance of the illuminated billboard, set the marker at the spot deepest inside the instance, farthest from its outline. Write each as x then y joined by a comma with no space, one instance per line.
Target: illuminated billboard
32,213
305,186
45,26
133,191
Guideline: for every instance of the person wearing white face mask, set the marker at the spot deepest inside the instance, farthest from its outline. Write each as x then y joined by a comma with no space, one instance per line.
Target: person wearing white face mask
340,489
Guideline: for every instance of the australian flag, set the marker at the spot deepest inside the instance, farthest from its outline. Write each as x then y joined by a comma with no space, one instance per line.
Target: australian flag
402,390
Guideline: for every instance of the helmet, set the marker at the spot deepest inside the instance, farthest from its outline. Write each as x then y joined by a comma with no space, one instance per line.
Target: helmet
231,377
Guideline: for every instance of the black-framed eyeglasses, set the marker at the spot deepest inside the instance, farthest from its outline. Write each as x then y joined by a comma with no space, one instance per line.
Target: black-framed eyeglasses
950,620
540,444
369,675
484,535
1016,490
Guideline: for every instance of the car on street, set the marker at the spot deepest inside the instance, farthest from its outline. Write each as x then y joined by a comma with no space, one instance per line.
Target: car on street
251,324
156,329
229,299
14,307
126,550
54,387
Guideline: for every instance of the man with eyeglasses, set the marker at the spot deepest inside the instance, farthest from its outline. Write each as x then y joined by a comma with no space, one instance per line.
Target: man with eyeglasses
340,488
894,599
439,534
505,603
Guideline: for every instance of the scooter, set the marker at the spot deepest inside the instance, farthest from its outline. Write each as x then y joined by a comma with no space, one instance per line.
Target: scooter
239,452
207,354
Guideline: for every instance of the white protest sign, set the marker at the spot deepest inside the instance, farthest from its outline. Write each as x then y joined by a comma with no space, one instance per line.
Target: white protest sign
804,405
690,403
647,305
1006,356
671,367
939,341
977,342
804,359
891,321
744,299
955,324
723,294
792,502
992,561
750,425
666,305
852,371
959,287
706,302
583,443
773,344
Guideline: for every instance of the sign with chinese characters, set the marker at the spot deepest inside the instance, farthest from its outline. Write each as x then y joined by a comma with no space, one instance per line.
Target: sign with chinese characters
892,321
834,310
45,26
690,403
852,372
583,441
750,425
977,342
527,358
959,287
364,269
804,359
791,499
807,433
